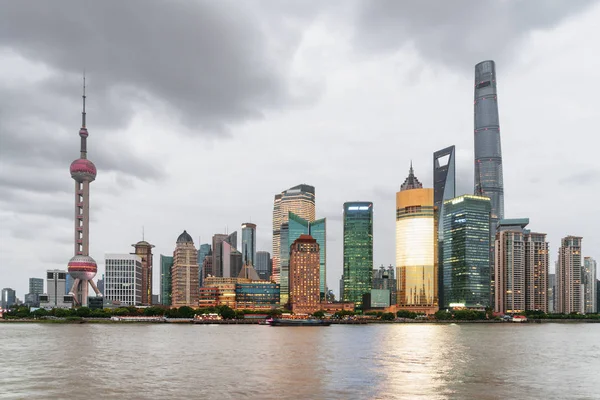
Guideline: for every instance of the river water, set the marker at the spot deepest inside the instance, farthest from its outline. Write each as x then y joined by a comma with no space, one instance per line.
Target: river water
403,361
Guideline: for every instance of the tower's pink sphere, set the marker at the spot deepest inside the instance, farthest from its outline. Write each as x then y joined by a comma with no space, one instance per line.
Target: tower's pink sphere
82,267
83,169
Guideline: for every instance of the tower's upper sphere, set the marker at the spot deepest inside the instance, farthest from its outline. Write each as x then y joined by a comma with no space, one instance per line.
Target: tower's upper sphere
82,267
83,169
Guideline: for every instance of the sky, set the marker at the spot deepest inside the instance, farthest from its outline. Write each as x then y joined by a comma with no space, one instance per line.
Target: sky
199,112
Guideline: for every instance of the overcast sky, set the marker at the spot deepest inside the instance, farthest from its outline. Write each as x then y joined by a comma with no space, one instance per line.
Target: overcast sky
200,112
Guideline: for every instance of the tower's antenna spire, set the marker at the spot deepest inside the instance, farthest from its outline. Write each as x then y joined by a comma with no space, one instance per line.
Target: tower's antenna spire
143,236
83,112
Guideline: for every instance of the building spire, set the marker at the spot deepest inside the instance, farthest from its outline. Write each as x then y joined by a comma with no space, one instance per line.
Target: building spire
83,97
410,171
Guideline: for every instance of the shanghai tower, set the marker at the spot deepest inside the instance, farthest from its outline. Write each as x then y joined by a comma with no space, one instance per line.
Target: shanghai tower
488,153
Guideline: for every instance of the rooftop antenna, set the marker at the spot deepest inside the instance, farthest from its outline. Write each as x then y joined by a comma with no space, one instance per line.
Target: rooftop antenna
143,236
83,112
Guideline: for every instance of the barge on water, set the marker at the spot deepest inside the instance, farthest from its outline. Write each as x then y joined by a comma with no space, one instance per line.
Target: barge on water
297,322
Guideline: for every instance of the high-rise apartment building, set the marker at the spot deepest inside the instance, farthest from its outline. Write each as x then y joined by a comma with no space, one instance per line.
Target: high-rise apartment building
55,297
416,247
521,268
144,250
184,273
590,302
289,232
444,188
488,152
123,277
299,200
466,254
9,298
358,251
536,271
304,275
568,276
166,263
263,265
248,249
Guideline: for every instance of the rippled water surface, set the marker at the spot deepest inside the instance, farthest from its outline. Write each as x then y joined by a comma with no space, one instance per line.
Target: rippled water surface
412,361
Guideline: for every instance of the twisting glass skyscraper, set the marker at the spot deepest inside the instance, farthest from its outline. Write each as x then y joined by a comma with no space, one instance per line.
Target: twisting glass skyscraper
488,152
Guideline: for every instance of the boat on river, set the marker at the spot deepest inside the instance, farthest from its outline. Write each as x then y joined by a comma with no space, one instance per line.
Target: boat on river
297,322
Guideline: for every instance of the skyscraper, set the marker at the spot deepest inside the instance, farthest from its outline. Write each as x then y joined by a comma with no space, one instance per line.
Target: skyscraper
289,232
166,263
466,255
123,279
416,247
82,267
304,275
488,152
444,188
358,251
184,273
300,200
537,264
590,304
568,276
248,249
36,285
263,265
144,250
551,291
521,268
9,298
217,244
203,251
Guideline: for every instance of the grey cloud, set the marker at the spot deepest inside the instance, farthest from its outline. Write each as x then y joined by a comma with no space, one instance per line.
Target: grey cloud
209,62
458,33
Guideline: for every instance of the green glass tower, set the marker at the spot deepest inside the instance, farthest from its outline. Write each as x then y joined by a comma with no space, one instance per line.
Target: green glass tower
166,262
466,263
358,251
290,231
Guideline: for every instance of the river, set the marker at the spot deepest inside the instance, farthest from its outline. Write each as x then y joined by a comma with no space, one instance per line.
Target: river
403,361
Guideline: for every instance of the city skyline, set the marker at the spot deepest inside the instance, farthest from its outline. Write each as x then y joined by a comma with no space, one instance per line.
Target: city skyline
352,114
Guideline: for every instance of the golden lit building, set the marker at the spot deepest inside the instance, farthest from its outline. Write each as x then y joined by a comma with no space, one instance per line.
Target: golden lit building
416,247
184,273
305,263
299,200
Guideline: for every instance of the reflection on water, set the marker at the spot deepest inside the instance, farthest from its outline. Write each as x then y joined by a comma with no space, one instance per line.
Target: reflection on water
550,361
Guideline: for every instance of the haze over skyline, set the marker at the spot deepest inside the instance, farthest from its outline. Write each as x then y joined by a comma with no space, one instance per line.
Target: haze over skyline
200,112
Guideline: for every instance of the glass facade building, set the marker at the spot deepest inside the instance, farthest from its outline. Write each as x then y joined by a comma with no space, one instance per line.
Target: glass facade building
488,152
166,263
299,200
257,295
416,247
203,251
444,188
263,265
292,230
466,261
358,251
248,249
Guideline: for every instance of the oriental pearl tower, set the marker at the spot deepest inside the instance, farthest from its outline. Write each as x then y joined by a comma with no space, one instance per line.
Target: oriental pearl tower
82,267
